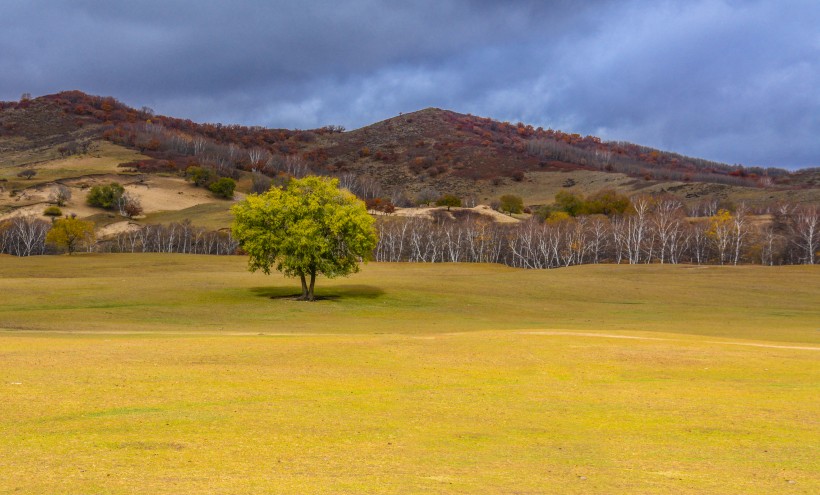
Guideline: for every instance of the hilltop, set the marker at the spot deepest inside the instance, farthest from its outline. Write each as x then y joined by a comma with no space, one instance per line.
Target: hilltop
79,140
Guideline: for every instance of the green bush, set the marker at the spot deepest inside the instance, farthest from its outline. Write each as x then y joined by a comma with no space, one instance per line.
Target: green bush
105,196
449,200
53,211
223,187
510,203
201,177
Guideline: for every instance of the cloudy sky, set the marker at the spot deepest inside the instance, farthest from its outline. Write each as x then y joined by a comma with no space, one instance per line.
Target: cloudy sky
731,80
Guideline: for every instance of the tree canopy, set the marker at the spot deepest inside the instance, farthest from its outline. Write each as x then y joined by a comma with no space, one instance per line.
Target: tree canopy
449,200
70,233
511,203
309,228
105,196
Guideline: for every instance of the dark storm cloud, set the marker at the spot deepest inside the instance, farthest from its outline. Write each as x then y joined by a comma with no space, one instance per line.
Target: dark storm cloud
729,80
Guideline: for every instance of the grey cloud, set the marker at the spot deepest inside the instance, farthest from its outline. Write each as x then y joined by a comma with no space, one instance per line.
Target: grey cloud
728,80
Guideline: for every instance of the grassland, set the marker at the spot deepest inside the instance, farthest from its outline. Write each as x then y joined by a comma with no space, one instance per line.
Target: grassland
185,374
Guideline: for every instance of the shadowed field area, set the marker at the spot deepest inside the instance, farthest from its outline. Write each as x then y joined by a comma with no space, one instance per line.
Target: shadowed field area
186,374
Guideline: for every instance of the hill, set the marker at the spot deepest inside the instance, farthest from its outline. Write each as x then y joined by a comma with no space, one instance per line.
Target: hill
76,139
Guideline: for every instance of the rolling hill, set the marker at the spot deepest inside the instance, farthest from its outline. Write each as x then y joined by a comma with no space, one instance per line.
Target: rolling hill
79,140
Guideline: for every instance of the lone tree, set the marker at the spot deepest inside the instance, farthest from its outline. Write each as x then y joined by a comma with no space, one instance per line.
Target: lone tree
511,203
449,200
70,233
310,228
27,173
60,195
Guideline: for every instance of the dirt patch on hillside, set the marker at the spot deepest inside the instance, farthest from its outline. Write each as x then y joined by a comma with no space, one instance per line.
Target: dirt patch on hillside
168,194
483,210
117,228
155,194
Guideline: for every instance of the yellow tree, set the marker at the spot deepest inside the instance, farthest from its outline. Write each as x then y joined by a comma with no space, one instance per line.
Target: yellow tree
720,233
310,228
71,233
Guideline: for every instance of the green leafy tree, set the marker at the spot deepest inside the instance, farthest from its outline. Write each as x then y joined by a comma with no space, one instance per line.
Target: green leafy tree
310,228
449,200
606,202
201,177
223,187
70,233
106,196
510,203
569,202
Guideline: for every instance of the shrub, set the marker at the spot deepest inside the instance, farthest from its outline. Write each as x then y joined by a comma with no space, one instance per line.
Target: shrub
380,204
60,195
201,177
53,211
260,183
510,203
223,187
105,196
27,173
129,206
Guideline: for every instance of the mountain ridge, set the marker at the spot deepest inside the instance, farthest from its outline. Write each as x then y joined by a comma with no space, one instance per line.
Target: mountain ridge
407,158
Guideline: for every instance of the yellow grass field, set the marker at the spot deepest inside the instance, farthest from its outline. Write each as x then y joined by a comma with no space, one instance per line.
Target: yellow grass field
187,374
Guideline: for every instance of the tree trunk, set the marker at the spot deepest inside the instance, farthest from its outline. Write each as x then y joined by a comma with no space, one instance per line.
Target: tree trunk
304,296
312,283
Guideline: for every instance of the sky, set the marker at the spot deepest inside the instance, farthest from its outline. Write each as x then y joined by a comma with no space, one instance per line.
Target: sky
736,81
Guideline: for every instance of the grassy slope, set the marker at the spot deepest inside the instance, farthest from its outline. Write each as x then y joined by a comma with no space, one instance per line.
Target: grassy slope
103,159
450,399
213,216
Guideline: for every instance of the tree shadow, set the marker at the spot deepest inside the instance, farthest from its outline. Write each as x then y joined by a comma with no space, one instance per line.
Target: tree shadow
322,293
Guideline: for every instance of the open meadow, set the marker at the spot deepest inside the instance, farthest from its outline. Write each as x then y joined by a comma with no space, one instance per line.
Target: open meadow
123,374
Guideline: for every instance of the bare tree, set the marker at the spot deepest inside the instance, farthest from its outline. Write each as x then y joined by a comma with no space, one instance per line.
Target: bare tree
198,145
259,182
805,228
258,157
740,230
129,205
667,220
60,195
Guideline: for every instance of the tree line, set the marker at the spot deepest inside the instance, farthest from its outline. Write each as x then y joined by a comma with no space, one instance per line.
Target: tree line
653,231
29,236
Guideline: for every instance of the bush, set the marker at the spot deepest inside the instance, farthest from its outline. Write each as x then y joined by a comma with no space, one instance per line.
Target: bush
260,183
27,173
449,200
201,177
510,203
380,204
105,196
129,206
53,211
60,195
224,187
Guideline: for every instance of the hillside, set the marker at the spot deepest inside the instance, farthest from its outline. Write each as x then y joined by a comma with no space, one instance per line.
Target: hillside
79,140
